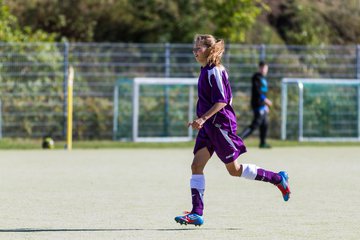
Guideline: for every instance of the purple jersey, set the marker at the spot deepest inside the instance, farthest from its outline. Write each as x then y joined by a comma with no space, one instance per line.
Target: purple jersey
214,87
219,132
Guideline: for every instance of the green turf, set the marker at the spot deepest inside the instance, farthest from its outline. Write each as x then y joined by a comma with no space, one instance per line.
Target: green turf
8,143
134,194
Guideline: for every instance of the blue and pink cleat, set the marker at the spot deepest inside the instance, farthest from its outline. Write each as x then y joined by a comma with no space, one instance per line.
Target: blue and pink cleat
190,218
284,186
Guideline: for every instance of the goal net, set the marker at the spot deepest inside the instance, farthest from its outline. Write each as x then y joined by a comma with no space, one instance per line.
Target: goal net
320,109
154,109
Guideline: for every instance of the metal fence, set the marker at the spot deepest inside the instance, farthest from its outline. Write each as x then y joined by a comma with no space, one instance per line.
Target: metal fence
33,86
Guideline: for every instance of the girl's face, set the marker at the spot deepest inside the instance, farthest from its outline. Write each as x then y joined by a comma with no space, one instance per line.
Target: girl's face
200,54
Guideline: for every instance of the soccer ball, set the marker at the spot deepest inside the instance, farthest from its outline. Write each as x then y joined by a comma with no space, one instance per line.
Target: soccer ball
48,143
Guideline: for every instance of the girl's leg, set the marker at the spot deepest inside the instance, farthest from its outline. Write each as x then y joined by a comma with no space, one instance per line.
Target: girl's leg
253,172
197,181
197,184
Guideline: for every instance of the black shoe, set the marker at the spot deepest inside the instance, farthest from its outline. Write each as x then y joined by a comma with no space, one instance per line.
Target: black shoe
264,145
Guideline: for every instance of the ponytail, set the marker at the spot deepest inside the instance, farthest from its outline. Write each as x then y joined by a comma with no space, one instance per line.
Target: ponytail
216,52
215,48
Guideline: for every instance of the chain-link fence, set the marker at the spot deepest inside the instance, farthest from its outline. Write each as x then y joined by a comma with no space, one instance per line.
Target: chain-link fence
32,79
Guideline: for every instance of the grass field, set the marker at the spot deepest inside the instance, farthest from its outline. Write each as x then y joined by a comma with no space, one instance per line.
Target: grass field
136,193
11,143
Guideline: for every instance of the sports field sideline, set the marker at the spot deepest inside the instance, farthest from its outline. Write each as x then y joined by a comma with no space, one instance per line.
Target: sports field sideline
136,193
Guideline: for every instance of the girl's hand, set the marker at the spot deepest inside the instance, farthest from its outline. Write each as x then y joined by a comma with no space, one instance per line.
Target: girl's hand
197,123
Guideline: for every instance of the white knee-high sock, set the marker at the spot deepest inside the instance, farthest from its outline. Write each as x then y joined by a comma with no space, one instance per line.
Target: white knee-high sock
253,172
249,171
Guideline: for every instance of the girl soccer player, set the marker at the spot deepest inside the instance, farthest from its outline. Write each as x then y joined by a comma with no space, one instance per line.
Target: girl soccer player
216,122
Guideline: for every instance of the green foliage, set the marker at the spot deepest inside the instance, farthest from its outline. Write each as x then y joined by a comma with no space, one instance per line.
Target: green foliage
301,24
138,21
176,21
7,24
10,31
291,22
345,25
30,63
90,116
233,18
262,33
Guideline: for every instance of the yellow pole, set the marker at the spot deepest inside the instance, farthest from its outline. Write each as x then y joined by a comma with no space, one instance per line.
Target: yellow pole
70,84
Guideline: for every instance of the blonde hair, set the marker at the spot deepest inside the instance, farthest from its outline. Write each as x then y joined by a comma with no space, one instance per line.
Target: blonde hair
215,47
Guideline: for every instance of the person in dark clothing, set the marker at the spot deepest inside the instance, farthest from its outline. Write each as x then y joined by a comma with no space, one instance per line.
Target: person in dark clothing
260,105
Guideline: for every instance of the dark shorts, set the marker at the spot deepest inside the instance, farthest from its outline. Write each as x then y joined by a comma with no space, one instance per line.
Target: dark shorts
227,144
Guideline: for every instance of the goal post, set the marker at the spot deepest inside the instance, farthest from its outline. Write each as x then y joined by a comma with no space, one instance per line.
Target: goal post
320,109
144,107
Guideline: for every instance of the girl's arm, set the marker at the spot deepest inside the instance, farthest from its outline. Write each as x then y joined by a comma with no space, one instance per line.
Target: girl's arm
199,122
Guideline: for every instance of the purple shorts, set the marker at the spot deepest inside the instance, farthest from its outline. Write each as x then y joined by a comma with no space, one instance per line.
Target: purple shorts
227,145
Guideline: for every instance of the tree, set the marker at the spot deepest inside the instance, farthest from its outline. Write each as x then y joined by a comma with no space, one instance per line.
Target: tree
10,30
233,18
138,21
301,24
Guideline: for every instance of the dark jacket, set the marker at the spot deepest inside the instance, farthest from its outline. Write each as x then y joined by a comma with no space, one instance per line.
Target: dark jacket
258,91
